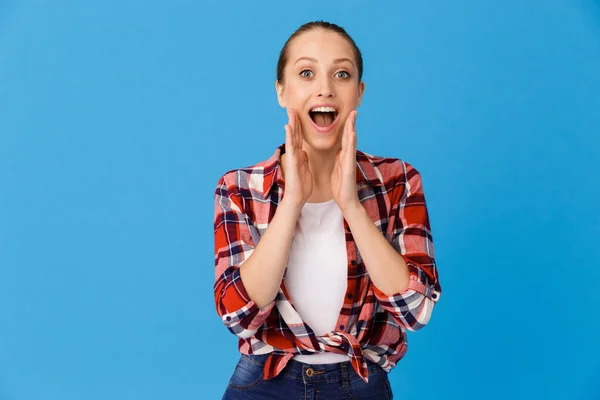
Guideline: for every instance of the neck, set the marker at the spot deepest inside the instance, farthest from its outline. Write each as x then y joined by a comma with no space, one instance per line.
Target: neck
321,165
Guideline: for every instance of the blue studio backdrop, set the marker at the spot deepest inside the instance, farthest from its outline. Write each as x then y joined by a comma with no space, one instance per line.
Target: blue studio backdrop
118,117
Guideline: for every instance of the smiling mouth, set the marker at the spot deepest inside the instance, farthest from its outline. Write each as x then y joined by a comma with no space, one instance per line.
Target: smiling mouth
323,118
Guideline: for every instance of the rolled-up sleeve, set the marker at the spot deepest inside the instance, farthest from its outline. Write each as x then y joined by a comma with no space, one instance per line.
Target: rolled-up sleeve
233,245
411,237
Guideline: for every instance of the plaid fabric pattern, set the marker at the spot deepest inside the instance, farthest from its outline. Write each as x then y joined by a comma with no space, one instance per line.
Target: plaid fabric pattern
371,324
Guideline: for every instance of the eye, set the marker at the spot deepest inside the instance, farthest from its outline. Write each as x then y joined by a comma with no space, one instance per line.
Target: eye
343,75
307,73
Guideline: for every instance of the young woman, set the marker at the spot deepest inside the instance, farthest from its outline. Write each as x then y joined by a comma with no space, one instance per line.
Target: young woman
323,254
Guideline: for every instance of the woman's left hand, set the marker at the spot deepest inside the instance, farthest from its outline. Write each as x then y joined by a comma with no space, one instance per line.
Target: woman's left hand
343,176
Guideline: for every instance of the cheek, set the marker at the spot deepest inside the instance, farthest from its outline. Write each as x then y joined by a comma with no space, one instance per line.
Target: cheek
296,91
351,96
297,100
297,95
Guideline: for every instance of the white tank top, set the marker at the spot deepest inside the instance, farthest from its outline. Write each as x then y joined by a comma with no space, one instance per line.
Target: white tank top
317,272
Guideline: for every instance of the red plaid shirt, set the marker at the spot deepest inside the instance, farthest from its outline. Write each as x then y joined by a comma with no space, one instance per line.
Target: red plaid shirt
371,324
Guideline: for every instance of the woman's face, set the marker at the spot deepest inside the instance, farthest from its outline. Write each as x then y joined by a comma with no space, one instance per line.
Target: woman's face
320,82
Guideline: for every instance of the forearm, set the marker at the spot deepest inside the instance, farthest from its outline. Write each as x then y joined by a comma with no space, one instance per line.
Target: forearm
387,269
263,271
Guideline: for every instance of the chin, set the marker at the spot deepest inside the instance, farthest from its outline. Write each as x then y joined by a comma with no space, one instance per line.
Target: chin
320,142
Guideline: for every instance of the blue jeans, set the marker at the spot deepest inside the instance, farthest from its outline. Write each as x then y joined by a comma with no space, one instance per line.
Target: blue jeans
300,381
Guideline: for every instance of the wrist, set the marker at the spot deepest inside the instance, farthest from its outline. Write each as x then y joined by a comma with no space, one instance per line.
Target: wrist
353,210
291,206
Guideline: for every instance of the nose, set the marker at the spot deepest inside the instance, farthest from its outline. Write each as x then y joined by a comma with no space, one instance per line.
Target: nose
326,87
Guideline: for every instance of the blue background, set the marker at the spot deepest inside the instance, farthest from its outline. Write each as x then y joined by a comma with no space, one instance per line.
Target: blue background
118,117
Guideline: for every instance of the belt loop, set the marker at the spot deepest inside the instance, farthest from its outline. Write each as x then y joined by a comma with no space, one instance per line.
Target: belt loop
345,381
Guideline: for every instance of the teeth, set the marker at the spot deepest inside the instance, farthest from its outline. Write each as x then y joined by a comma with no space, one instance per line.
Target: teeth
323,109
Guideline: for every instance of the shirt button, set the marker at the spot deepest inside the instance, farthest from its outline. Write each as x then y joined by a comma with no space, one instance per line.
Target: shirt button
341,327
434,296
228,318
353,262
350,296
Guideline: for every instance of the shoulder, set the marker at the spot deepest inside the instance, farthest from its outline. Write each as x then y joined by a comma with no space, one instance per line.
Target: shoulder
390,170
245,179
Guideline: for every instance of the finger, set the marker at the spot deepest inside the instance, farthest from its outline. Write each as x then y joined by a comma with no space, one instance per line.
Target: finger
338,155
289,138
346,128
351,130
350,148
298,132
289,147
353,136
353,141
294,125
351,156
293,120
347,131
352,121
306,163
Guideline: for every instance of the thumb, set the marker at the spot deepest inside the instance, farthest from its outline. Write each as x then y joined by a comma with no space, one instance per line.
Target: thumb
305,156
338,155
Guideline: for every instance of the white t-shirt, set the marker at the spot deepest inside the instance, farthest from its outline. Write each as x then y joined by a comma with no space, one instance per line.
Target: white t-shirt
317,272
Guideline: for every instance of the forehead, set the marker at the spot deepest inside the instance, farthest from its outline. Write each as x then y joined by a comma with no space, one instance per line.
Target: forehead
320,44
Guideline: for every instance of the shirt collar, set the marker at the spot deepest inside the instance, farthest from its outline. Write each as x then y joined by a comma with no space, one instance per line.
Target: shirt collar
366,172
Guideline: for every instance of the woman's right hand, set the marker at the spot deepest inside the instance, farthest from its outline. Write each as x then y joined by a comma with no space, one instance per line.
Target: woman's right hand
297,175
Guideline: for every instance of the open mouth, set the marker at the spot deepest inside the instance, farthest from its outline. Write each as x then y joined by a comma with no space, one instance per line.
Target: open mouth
323,116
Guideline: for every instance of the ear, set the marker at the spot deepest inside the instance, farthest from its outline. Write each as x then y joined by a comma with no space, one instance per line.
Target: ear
279,89
361,91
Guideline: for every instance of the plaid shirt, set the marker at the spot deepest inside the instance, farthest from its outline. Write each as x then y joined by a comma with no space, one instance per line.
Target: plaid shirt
371,324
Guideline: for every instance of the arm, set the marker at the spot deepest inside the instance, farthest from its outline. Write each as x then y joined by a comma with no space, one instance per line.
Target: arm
248,276
403,272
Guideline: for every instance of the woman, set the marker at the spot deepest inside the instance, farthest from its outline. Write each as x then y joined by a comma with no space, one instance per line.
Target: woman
323,253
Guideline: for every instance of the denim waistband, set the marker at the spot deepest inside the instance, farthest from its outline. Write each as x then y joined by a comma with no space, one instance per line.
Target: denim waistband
313,373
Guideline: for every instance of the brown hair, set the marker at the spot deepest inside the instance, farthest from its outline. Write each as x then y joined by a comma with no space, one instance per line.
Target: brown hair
322,25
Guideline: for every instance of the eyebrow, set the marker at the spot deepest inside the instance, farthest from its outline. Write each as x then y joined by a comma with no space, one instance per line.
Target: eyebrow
314,60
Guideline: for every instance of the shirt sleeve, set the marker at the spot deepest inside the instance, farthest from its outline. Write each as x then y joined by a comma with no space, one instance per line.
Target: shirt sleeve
233,245
411,237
